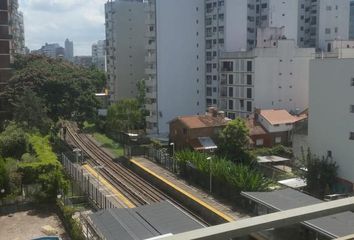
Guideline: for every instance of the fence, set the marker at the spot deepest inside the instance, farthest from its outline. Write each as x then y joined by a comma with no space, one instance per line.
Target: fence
86,185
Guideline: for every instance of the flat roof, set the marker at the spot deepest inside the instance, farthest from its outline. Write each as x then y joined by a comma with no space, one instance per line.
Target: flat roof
333,226
271,159
143,222
293,183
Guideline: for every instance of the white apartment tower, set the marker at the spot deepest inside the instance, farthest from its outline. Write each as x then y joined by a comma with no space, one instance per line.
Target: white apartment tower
331,125
175,60
125,47
231,25
99,55
321,21
16,28
273,77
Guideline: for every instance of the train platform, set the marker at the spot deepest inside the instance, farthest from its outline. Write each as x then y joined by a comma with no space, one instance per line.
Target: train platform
221,208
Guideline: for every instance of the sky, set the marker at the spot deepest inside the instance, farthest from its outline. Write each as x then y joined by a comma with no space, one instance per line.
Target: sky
52,21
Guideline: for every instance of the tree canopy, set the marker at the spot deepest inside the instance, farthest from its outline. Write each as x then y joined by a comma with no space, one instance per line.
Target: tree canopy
234,141
65,90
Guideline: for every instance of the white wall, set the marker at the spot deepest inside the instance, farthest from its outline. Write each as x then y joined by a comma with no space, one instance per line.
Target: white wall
330,120
178,57
281,76
235,25
337,17
284,13
273,129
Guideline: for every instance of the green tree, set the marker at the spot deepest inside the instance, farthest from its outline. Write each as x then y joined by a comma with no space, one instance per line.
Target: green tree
13,141
125,115
4,176
320,174
67,91
234,140
30,110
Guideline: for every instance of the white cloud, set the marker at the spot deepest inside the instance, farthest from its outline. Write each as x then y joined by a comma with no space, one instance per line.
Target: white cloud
55,20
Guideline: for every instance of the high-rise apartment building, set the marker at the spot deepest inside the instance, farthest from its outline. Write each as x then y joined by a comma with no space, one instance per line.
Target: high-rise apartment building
273,77
321,21
231,25
17,28
125,47
69,50
331,125
99,55
175,56
5,53
351,21
50,50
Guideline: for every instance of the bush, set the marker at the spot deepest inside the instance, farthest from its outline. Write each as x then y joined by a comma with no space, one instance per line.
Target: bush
73,227
238,177
278,150
13,141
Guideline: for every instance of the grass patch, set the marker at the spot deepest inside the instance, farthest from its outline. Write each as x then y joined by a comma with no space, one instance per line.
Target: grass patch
108,143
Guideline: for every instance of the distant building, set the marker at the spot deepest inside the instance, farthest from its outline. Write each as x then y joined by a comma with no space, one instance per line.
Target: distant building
125,40
5,55
69,50
99,55
49,50
84,61
265,78
351,23
331,114
17,28
198,132
175,59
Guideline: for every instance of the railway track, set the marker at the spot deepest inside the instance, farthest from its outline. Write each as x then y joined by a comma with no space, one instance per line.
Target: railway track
132,186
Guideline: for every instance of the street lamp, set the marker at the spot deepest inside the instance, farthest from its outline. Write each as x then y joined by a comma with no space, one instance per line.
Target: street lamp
173,156
210,175
77,152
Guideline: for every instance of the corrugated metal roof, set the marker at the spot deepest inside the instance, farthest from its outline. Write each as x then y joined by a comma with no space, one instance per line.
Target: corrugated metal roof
337,225
143,222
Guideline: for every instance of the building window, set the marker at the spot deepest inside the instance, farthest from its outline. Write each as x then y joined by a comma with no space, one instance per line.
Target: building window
327,31
249,92
231,79
352,82
249,106
259,142
249,79
242,104
351,136
352,108
231,104
249,66
231,91
277,139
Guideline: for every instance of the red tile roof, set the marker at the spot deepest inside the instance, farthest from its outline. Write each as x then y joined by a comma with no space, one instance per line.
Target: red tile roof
254,127
281,116
202,121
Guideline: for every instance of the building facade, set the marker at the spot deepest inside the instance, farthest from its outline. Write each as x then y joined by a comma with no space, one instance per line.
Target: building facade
175,58
17,28
321,21
5,53
331,125
99,55
69,50
125,47
267,78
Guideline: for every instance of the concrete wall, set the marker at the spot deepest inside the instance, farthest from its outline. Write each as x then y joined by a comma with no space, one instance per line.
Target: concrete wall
180,59
330,119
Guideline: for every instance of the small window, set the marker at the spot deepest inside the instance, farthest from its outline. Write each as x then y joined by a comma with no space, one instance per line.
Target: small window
278,140
352,82
351,136
259,142
231,104
352,108
231,79
249,79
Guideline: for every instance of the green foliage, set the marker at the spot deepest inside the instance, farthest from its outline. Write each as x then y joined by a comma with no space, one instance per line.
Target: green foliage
74,227
67,91
125,115
321,174
278,150
238,176
46,171
115,147
4,176
31,111
233,141
13,141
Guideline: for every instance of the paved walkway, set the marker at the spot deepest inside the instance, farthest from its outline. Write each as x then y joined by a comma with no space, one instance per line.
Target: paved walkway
220,205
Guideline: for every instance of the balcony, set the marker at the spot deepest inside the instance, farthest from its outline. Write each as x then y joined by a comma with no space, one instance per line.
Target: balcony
149,8
151,119
150,34
150,71
150,58
151,107
151,46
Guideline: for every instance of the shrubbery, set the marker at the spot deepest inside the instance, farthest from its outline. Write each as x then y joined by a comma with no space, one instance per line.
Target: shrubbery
231,178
